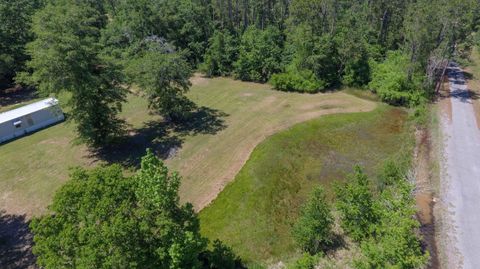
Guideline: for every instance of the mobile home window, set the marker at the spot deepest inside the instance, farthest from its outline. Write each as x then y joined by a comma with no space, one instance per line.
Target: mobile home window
17,124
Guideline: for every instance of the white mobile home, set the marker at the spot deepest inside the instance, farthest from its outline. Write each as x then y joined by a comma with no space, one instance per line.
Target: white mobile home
29,118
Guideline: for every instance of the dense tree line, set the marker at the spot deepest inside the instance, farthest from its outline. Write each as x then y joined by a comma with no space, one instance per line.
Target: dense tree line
394,48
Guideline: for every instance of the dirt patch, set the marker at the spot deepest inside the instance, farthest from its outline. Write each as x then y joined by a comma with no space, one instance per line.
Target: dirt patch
443,99
424,194
474,86
198,79
329,104
247,94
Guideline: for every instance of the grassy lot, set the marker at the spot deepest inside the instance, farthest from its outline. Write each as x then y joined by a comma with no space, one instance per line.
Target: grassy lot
33,167
255,212
208,152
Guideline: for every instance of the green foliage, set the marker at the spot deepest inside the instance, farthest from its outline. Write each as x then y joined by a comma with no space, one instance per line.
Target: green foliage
317,54
304,81
171,230
259,54
313,229
390,174
421,114
307,261
15,33
102,219
65,57
352,50
395,243
355,202
220,55
164,76
183,23
222,257
157,43
390,80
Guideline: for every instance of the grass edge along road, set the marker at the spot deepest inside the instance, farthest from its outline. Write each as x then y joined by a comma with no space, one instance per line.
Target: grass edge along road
33,167
255,212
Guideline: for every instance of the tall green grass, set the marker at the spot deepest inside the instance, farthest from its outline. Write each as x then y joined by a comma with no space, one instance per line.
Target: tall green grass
254,214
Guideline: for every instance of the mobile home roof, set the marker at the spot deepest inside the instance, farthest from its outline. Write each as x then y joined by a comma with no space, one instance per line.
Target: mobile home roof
28,109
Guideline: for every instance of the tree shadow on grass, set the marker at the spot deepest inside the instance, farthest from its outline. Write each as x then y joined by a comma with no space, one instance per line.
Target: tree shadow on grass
16,242
163,137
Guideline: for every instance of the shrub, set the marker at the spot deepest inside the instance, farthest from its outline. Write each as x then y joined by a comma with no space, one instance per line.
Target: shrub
356,205
307,261
390,80
295,82
313,229
395,243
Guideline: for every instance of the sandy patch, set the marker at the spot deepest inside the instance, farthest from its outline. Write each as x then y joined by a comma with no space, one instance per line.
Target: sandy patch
474,86
198,79
444,101
424,193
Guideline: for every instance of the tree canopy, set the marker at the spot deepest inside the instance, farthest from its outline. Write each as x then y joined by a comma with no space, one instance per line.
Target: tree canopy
104,219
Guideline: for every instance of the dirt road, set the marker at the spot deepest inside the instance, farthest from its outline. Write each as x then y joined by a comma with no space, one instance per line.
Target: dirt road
461,175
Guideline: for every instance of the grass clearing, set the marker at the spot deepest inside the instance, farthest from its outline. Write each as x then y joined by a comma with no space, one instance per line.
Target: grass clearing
255,212
32,168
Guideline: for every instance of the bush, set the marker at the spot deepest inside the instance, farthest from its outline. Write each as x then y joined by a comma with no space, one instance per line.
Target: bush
395,243
390,174
355,202
307,261
295,82
313,230
391,82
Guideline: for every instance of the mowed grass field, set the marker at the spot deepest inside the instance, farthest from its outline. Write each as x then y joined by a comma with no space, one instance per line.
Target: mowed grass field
254,214
208,154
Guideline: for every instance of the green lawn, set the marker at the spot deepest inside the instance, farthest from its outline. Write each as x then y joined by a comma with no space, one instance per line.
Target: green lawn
255,212
33,167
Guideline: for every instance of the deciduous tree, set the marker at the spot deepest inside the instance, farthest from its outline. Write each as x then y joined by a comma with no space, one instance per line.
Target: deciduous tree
103,219
65,57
